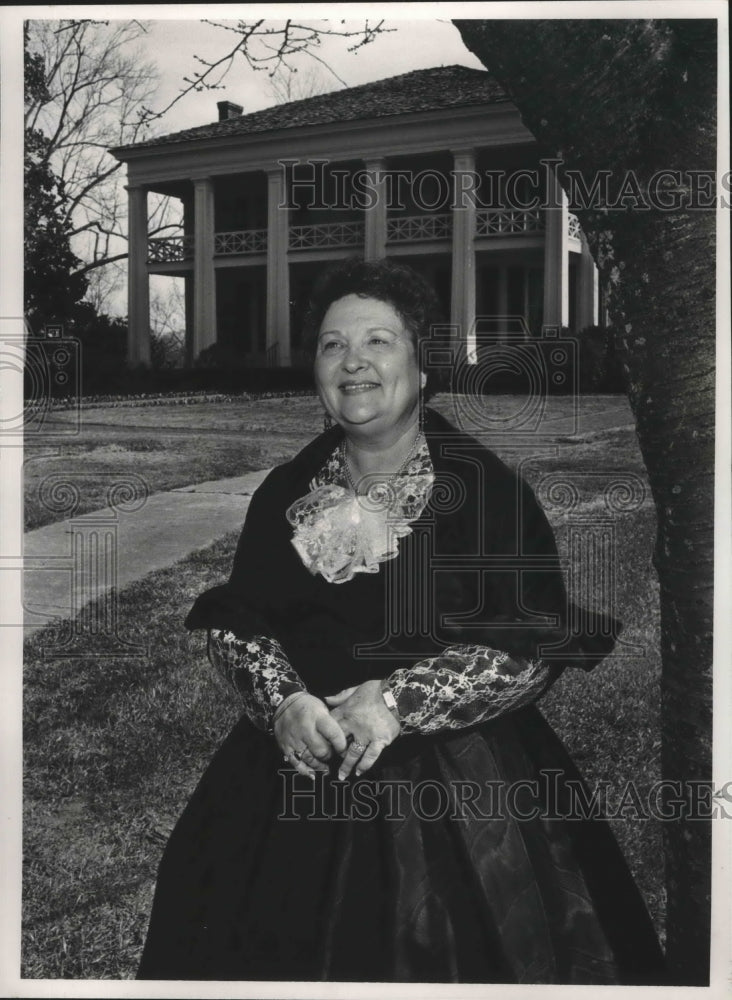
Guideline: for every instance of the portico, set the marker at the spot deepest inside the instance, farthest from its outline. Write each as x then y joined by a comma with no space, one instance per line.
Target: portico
268,195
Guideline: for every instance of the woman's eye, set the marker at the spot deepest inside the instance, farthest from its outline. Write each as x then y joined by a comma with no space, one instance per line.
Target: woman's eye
329,345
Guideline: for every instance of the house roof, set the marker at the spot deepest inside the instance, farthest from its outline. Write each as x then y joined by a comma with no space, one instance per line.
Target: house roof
441,87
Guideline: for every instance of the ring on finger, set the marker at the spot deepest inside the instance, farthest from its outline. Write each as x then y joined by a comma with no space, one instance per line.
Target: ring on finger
358,747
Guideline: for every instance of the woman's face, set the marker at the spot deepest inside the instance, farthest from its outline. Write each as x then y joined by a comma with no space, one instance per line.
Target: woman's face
366,369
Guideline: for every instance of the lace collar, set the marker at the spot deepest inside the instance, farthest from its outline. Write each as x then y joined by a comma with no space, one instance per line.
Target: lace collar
339,534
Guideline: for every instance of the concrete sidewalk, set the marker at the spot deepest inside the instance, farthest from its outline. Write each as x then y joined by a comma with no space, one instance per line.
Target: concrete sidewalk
73,562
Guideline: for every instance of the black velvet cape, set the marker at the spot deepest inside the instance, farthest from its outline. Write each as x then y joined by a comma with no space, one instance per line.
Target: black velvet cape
267,877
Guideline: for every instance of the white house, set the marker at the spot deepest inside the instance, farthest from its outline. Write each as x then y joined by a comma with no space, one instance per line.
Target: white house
433,166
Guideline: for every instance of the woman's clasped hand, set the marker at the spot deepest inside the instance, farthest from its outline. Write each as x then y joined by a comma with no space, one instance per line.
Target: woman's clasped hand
365,608
357,728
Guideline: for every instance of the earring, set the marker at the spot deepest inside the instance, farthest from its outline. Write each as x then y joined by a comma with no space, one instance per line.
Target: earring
420,419
327,421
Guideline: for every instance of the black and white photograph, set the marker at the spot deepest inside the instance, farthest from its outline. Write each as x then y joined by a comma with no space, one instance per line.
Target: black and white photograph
365,469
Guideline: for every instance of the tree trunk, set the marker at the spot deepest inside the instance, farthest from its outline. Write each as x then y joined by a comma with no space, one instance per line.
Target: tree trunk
640,96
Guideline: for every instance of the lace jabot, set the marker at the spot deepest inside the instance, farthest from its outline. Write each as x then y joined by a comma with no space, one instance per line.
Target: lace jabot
338,533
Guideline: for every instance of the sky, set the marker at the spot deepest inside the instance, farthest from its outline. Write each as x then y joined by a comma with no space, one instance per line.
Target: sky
173,45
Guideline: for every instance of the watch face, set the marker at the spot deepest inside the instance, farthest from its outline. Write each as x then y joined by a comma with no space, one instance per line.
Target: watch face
390,700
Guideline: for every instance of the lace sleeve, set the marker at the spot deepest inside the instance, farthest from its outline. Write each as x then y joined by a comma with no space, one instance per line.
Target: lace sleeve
466,685
257,669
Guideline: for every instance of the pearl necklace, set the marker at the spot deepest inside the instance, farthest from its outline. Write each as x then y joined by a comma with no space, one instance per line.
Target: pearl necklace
386,483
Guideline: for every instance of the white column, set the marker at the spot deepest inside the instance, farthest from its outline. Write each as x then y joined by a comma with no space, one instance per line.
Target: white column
375,214
189,281
138,288
462,300
556,255
278,274
588,298
204,279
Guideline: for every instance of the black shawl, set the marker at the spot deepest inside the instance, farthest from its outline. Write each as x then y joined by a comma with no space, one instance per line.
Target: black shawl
480,566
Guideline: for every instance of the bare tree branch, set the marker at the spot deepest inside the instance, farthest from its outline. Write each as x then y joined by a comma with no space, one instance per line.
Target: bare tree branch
97,97
101,263
268,47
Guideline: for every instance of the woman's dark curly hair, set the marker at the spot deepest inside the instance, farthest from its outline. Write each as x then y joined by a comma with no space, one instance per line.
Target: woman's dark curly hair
401,287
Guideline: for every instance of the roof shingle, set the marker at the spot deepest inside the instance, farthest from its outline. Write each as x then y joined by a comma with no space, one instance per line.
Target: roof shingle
420,90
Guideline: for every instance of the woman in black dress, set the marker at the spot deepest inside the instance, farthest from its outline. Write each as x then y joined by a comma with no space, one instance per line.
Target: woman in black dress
392,806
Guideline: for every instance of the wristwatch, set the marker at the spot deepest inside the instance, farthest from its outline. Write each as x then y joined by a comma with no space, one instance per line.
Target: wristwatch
389,699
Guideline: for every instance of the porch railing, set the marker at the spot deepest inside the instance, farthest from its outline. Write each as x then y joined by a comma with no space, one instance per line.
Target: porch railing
408,229
326,235
169,249
243,241
419,228
508,222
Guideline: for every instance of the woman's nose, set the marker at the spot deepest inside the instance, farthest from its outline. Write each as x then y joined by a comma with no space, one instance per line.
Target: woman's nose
353,359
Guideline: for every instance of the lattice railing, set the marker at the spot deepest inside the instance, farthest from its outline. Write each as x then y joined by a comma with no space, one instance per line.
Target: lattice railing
409,229
243,241
328,234
169,249
508,222
418,228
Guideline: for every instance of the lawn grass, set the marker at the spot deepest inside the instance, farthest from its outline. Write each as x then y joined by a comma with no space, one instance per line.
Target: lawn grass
171,445
114,747
166,445
112,750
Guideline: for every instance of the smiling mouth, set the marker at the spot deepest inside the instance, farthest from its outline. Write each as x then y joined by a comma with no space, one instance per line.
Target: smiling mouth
351,388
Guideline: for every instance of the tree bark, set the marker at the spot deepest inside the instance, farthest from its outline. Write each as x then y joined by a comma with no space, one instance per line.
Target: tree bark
640,96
